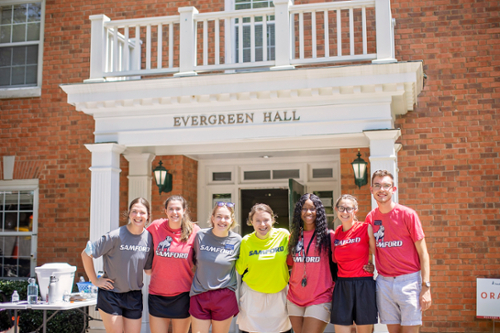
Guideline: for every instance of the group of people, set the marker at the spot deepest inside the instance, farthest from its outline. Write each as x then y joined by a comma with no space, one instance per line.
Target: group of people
302,279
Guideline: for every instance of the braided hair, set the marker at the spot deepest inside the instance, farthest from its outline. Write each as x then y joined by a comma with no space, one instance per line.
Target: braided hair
321,225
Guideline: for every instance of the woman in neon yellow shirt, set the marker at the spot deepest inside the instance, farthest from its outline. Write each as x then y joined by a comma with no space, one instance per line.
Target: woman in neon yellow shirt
262,263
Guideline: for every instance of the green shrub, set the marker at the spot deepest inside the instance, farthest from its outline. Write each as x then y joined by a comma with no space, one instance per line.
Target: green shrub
69,321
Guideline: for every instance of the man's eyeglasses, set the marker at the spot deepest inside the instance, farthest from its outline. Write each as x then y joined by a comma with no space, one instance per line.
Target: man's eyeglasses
378,186
345,209
227,204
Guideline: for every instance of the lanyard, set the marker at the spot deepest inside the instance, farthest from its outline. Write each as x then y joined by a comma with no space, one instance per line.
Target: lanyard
304,254
304,251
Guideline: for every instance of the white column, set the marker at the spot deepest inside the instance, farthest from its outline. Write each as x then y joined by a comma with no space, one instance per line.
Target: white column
97,47
139,176
104,200
383,154
385,32
139,185
187,47
282,28
105,190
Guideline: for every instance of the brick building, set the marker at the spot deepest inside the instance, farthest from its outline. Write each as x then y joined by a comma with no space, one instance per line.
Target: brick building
82,88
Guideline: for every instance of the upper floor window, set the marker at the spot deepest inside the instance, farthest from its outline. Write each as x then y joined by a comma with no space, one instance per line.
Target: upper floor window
259,41
21,41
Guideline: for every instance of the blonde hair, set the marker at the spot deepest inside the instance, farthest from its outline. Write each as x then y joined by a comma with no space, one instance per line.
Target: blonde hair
231,211
260,207
186,224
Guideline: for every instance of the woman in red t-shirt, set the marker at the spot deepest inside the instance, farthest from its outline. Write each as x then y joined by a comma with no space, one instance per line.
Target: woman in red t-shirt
354,293
172,269
311,284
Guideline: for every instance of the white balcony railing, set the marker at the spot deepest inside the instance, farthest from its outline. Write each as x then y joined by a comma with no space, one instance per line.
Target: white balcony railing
280,37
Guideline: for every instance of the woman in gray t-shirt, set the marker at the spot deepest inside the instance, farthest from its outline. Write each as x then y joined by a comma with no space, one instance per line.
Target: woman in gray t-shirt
125,251
213,300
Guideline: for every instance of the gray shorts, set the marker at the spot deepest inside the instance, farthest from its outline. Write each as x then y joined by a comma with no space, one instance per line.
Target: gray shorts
398,299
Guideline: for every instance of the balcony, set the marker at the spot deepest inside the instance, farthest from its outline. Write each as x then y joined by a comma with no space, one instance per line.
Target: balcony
280,37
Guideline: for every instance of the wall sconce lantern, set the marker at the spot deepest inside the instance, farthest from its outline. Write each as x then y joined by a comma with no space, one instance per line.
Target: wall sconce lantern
163,178
360,171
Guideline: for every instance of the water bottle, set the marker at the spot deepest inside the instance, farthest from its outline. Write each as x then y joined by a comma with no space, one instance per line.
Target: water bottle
52,289
15,297
32,291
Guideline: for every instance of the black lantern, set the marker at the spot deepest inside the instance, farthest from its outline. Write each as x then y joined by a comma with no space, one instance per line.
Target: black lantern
360,171
163,178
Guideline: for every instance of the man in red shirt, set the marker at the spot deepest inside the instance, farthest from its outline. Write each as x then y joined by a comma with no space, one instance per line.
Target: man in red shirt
402,260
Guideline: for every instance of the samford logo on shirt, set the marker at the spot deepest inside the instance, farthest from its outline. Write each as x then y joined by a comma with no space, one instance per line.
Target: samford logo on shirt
268,251
390,244
308,259
215,249
347,241
134,248
172,254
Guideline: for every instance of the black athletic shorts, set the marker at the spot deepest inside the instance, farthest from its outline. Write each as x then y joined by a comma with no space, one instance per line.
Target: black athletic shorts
354,300
175,307
127,305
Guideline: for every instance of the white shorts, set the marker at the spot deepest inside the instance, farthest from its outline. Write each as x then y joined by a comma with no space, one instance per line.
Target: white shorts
260,312
319,311
398,299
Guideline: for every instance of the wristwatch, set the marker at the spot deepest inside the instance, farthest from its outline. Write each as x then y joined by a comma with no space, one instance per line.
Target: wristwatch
426,283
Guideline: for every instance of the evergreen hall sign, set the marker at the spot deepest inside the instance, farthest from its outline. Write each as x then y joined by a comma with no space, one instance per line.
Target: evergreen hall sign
236,118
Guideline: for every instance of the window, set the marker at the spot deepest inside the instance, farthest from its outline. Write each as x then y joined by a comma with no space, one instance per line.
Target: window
259,54
21,40
18,228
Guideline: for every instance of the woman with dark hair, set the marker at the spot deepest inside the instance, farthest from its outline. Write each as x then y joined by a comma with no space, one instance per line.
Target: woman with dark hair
311,283
213,298
172,268
126,252
262,263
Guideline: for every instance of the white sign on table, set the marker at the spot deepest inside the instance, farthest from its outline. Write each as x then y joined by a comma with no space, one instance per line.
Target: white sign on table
488,298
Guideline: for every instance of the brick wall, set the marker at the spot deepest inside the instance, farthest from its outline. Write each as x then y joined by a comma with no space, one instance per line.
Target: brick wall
449,162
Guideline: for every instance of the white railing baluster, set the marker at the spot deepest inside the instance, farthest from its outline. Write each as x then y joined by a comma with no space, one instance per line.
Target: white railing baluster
365,41
187,41
205,42
351,30
339,34
126,50
292,36
217,42
313,32
115,49
195,48
159,51
327,37
385,36
240,40
170,45
137,49
97,47
301,35
264,38
283,28
148,46
252,39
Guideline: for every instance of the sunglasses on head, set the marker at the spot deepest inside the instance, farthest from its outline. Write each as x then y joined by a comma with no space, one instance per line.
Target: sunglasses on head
227,204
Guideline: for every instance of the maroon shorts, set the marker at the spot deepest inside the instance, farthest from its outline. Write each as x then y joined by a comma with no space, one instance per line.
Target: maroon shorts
219,304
